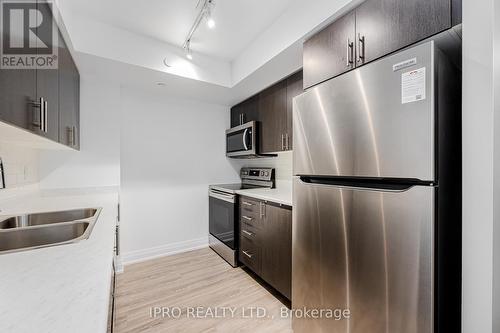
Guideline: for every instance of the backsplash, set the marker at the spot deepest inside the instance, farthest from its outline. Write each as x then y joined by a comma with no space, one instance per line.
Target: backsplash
282,163
20,164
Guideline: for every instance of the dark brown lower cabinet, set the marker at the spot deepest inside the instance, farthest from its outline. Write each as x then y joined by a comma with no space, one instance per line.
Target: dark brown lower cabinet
266,242
277,248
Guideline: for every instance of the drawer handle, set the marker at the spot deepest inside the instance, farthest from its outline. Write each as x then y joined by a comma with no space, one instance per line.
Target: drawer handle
247,218
247,233
247,203
247,254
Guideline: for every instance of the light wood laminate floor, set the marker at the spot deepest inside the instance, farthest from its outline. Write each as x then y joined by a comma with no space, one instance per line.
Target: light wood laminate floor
184,282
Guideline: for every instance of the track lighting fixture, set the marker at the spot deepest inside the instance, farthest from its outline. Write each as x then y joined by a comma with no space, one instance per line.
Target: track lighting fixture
205,12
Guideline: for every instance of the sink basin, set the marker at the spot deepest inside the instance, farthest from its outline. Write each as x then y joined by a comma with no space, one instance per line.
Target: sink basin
38,237
47,218
32,231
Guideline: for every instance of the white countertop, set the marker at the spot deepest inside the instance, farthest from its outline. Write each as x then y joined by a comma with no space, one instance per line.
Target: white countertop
62,288
282,194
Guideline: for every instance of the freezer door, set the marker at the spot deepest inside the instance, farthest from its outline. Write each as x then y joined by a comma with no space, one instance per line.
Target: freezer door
369,252
364,123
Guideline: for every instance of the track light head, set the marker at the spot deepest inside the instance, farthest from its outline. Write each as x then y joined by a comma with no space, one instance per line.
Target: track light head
210,23
208,14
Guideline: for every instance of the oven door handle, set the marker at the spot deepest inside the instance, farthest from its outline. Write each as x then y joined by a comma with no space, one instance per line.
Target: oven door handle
228,198
245,139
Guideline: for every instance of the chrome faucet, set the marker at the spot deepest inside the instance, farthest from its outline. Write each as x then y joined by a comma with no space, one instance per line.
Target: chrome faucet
2,175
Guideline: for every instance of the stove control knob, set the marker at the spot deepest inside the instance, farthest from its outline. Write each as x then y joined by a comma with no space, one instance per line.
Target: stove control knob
267,173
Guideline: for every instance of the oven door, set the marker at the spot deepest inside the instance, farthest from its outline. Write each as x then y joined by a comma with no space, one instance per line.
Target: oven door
222,221
240,141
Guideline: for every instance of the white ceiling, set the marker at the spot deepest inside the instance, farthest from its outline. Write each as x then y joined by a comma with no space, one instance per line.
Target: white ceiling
238,22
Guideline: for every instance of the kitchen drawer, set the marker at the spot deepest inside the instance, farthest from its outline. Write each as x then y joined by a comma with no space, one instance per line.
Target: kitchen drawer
250,232
250,254
252,219
249,206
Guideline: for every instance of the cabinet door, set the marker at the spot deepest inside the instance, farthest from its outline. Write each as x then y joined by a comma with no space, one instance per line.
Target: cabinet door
294,87
272,116
246,111
236,112
47,87
69,98
330,52
276,259
389,25
17,91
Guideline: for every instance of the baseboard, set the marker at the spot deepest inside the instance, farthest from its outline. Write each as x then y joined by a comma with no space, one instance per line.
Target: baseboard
164,250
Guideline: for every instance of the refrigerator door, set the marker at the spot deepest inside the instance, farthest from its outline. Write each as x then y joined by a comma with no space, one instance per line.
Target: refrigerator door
375,121
369,252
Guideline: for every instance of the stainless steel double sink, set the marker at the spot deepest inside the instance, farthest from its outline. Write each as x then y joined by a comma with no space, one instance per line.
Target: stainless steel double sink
33,231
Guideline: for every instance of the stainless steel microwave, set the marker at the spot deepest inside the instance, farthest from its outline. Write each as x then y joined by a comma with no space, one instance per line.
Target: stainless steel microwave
241,141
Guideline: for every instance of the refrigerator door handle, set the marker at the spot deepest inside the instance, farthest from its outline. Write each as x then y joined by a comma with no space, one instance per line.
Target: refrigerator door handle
370,184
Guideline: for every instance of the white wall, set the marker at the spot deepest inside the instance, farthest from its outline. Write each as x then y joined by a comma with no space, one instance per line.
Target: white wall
285,31
97,164
478,172
20,165
496,230
171,150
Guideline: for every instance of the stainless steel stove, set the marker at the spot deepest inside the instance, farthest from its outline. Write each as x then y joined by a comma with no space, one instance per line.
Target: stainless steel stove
223,210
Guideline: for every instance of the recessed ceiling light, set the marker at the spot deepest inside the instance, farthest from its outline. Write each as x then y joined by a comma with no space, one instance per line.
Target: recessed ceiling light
165,62
161,84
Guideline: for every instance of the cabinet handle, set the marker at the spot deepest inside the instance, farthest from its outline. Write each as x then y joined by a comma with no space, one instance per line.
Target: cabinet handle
247,218
40,105
361,48
350,51
45,116
247,254
247,203
72,136
247,233
282,141
262,210
287,142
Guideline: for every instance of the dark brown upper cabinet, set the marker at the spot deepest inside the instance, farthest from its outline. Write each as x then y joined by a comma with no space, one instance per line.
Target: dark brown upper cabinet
272,108
44,101
17,93
246,111
69,98
330,52
384,26
272,117
372,30
47,88
294,88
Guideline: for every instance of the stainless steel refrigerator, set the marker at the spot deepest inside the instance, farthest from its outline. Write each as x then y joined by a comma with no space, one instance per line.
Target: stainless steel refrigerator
377,198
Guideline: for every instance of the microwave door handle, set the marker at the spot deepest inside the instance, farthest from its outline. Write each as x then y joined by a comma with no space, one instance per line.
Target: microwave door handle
245,139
